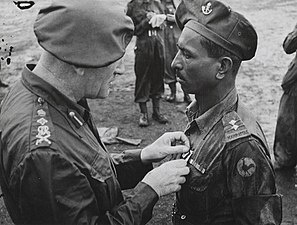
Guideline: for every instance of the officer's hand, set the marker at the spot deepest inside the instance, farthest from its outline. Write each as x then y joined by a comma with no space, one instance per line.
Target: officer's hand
165,145
168,177
157,20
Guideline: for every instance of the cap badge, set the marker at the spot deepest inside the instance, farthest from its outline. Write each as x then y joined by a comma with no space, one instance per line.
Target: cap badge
207,9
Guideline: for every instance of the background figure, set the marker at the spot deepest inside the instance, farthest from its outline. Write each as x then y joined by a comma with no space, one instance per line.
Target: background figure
285,141
171,35
1,83
148,17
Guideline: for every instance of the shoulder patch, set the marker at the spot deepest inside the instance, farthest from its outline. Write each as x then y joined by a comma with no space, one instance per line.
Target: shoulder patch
246,167
234,128
42,127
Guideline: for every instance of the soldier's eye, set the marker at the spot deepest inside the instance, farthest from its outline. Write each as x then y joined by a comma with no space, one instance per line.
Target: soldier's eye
186,54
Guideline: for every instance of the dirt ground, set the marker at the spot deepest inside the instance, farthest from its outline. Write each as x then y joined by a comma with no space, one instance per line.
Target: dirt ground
258,85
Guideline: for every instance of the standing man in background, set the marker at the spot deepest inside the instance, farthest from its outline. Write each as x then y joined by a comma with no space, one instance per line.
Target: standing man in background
171,35
1,83
148,17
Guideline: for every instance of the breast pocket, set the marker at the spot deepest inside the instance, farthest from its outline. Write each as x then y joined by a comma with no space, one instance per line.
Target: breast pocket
203,192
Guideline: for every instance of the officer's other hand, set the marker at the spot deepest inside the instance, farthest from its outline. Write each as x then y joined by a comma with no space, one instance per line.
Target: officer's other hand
169,143
157,20
168,177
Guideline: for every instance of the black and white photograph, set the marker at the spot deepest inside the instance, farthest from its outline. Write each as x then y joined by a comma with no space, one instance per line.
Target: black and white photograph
158,112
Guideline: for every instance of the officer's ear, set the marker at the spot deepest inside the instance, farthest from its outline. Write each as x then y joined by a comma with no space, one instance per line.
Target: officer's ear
79,70
225,67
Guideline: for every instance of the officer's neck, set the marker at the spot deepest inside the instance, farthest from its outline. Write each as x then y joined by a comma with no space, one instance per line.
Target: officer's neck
52,76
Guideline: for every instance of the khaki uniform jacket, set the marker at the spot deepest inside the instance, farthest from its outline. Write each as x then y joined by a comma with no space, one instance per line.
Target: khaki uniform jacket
57,169
231,180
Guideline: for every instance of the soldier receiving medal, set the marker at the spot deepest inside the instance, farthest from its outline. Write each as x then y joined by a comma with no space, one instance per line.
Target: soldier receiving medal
231,180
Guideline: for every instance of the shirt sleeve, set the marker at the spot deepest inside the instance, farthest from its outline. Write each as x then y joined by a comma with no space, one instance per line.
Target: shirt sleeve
251,181
128,162
54,190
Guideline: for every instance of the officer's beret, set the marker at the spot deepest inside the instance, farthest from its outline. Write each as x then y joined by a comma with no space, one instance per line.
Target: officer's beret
220,24
85,33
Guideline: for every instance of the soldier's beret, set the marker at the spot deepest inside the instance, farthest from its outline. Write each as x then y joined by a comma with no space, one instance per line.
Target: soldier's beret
85,33
220,24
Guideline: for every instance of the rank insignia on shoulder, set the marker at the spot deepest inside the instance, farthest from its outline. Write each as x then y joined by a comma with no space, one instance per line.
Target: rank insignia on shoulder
43,134
234,127
41,112
43,130
246,167
41,124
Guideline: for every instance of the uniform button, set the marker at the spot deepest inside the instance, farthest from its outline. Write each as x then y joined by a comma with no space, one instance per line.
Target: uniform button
183,217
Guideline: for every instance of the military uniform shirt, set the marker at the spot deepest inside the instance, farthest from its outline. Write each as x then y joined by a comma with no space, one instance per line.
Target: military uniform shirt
58,170
231,180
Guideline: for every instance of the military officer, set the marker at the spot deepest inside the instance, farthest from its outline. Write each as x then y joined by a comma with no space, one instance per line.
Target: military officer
231,178
54,168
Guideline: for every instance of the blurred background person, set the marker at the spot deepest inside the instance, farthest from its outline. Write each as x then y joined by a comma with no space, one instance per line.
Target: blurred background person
1,83
285,141
171,35
148,17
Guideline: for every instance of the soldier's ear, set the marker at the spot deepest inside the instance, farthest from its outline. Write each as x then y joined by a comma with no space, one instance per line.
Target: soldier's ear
225,67
80,71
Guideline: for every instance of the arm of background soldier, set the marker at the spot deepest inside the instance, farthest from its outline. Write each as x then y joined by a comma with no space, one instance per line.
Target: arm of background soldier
139,16
251,180
290,42
53,190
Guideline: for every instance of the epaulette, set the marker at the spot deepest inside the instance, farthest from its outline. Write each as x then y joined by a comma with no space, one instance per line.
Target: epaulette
234,128
252,125
41,126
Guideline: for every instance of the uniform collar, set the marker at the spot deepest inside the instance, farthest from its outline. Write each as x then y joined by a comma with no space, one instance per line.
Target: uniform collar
50,94
214,114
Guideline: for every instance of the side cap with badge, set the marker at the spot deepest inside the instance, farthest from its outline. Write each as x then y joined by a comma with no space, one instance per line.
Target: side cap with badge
219,24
